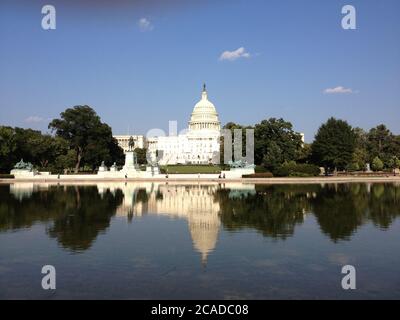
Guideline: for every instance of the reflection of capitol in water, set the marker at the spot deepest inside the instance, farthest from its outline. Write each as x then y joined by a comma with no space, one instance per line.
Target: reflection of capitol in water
75,214
195,203
23,190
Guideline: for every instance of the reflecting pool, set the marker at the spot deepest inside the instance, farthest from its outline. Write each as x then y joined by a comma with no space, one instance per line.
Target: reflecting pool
199,241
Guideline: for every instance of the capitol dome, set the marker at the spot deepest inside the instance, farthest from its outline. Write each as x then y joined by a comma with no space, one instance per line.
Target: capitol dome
204,115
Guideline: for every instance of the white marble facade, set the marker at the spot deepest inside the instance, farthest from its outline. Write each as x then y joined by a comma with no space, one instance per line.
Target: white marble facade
199,145
123,141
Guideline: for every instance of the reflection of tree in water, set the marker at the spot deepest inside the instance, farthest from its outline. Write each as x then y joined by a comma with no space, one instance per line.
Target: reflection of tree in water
79,214
79,222
273,210
384,204
16,214
340,209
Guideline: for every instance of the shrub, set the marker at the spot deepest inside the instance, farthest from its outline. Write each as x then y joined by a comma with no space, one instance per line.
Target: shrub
377,164
353,167
6,176
393,163
300,175
259,175
191,169
282,171
260,169
292,169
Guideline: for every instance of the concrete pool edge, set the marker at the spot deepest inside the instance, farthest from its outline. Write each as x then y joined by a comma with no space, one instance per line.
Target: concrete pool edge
288,180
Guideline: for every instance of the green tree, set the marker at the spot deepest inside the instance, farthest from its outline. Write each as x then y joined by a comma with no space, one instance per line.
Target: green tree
141,155
232,126
91,139
31,145
383,144
360,155
65,161
377,164
42,149
334,145
274,157
8,147
103,147
275,142
394,163
353,166
304,153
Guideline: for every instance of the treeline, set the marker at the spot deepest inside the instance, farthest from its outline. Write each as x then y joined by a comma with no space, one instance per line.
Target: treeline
337,147
80,143
42,150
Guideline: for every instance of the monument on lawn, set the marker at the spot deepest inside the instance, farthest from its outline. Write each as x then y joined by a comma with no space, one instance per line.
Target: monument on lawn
114,167
238,169
22,168
102,167
152,167
23,165
130,158
241,164
131,167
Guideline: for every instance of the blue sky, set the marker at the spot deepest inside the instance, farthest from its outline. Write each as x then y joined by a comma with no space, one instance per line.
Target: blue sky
140,76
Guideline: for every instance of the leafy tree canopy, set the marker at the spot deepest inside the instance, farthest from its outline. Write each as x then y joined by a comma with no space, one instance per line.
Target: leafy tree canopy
383,144
275,142
91,139
141,155
334,144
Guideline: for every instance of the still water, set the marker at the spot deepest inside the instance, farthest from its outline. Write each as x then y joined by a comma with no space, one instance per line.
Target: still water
208,241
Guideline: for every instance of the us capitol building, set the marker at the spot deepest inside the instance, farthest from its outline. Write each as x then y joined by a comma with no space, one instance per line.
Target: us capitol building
199,145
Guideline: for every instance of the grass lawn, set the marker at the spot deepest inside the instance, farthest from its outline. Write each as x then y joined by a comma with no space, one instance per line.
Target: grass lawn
187,169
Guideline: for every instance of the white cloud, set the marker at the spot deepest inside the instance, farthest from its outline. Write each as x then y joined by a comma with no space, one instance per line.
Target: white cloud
145,25
34,119
338,90
234,55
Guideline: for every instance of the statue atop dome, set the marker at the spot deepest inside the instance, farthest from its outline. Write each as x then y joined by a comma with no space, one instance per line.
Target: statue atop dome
204,115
